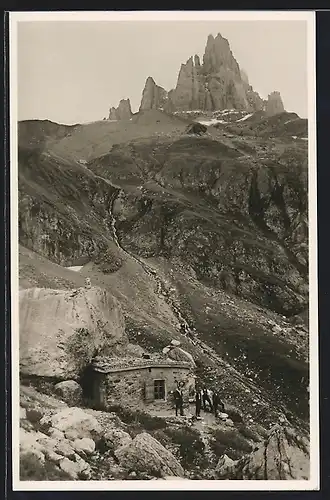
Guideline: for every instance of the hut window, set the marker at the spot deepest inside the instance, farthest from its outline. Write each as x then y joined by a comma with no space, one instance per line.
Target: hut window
159,389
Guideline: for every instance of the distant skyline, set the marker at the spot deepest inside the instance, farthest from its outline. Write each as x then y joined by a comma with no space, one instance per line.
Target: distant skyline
74,71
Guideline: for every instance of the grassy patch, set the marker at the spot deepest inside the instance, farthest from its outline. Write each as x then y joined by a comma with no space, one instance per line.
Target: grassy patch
191,447
229,442
139,418
248,433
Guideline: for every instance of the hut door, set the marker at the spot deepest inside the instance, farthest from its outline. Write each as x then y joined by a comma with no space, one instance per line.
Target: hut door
149,391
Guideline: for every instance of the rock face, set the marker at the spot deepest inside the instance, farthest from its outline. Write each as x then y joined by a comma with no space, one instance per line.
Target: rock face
153,96
123,112
215,84
146,454
274,104
61,331
282,456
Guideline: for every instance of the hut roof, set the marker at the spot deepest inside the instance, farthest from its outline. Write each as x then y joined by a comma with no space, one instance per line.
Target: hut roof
110,364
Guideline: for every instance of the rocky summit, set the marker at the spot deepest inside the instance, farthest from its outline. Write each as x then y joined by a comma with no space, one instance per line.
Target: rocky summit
216,83
172,240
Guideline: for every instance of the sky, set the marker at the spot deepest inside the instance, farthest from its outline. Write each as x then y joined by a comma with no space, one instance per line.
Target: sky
73,71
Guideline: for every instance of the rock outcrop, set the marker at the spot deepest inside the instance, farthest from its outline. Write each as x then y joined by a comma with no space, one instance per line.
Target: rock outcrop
153,96
283,455
61,331
274,104
75,424
146,454
196,129
123,112
216,83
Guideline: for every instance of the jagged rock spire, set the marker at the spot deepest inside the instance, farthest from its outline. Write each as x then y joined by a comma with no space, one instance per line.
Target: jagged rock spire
123,112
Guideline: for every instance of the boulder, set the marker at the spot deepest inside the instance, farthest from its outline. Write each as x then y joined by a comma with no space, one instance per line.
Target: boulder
76,424
229,422
65,449
70,391
146,455
52,456
60,331
33,415
76,470
282,456
29,444
178,354
224,466
56,434
175,342
134,350
85,445
115,438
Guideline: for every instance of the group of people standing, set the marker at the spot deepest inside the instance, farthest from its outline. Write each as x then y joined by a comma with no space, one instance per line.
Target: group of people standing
209,400
204,398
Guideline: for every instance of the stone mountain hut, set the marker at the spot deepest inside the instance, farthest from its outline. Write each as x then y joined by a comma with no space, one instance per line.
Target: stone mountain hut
137,382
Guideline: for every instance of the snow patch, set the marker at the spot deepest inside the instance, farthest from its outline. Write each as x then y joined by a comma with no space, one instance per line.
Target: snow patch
213,121
75,268
244,117
292,120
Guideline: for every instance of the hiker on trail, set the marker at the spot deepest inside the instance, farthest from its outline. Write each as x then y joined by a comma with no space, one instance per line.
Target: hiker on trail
217,403
178,399
206,399
198,401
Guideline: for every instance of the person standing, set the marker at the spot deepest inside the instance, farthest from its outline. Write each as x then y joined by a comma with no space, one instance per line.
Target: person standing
198,401
206,399
178,399
217,403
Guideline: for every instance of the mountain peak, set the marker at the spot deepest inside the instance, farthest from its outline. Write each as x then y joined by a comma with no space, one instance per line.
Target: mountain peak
215,84
153,96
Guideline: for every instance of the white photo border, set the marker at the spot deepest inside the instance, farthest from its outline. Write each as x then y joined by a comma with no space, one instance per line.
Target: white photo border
219,485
